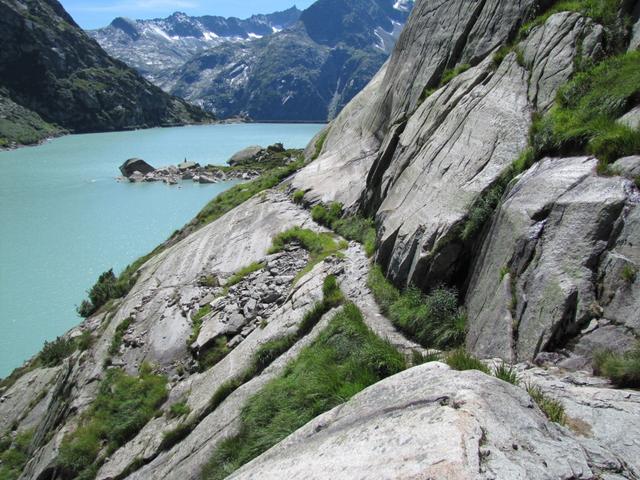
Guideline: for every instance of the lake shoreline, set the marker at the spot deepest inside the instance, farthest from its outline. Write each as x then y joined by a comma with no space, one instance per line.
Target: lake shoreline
87,223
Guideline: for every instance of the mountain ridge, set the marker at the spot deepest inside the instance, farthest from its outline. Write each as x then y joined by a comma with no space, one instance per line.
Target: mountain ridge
290,75
49,66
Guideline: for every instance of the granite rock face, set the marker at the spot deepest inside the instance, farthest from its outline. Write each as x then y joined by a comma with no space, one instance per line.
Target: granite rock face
552,261
548,279
439,35
550,51
432,422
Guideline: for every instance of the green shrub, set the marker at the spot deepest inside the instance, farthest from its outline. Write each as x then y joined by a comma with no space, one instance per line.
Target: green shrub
622,370
53,353
507,373
85,340
107,287
585,114
196,322
452,73
481,212
123,406
434,320
14,455
210,356
346,358
460,359
298,196
552,409
118,336
628,273
179,409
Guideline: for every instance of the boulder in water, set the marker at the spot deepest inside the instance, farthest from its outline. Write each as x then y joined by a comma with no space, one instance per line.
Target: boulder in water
246,155
135,165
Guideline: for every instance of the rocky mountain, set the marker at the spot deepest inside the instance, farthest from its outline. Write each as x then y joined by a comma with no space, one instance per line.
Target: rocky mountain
155,47
481,321
306,72
50,70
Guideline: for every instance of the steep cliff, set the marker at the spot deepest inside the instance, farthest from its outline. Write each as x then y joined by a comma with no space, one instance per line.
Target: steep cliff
264,345
50,67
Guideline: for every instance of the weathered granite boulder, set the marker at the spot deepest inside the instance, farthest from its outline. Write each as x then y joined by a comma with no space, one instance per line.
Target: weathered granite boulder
552,261
245,155
635,38
627,166
184,166
448,155
432,422
133,165
550,51
632,118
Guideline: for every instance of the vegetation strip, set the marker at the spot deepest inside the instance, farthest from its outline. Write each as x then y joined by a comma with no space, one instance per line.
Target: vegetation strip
434,320
353,227
14,455
622,369
345,359
263,357
123,406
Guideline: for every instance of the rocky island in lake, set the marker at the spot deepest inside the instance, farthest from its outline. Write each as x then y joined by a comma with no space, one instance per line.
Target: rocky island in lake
246,164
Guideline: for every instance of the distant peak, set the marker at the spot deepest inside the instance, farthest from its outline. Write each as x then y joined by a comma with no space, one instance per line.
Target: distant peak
127,25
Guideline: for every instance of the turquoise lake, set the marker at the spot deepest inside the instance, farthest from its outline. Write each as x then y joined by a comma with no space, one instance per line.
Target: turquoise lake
64,219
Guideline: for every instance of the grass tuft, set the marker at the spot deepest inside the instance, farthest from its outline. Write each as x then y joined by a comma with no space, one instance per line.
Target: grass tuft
319,245
434,320
552,409
179,409
507,373
243,273
622,370
584,118
460,359
121,329
123,406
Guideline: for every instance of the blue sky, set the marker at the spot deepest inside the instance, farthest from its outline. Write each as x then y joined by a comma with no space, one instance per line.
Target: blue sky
99,13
